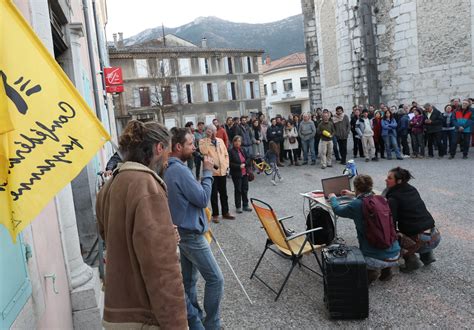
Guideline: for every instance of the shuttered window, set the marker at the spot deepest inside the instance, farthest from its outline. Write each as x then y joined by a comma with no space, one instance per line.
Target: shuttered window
15,287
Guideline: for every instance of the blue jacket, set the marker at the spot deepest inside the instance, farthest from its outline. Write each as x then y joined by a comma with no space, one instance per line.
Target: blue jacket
449,121
187,197
389,127
464,119
353,210
271,157
402,128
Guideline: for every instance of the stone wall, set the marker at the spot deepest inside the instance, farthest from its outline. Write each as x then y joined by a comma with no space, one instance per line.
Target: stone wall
419,50
425,50
312,54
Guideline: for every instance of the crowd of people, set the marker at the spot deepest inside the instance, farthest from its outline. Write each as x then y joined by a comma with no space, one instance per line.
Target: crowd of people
145,213
399,131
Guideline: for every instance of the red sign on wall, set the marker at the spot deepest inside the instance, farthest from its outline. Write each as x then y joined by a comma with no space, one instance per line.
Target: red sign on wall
113,80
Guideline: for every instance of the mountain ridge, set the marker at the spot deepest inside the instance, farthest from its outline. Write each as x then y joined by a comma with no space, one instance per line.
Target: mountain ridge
278,38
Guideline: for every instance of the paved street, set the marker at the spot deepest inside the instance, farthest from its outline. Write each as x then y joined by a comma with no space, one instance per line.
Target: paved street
441,295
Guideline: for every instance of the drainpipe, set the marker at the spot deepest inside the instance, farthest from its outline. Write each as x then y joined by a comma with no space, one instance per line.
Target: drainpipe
101,54
91,59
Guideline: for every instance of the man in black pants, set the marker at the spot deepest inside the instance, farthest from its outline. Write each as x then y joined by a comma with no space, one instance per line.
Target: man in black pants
357,142
433,125
215,148
342,126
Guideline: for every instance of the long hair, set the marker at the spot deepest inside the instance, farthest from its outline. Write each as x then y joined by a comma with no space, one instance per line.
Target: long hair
274,147
138,139
385,114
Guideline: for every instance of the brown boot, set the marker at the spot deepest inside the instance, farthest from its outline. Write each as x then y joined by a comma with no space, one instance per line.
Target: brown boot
372,275
386,274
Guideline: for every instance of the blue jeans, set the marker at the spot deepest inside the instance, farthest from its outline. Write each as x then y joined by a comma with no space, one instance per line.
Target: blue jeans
429,244
308,144
390,142
374,264
448,142
196,255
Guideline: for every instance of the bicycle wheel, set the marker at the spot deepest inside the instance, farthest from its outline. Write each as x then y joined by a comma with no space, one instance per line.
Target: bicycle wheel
268,170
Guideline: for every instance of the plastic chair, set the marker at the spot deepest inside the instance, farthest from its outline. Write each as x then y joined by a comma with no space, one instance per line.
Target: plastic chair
293,247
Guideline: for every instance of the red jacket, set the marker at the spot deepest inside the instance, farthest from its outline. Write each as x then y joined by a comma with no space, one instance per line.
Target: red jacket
222,134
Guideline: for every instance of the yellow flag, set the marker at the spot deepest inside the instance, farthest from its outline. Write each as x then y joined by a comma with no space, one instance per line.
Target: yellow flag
54,133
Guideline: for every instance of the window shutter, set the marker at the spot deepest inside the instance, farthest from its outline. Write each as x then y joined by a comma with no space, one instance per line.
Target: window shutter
174,94
256,87
16,287
136,97
226,65
202,65
215,92
204,92
229,90
247,89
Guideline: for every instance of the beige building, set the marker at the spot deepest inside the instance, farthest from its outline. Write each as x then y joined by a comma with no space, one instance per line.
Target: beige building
175,81
285,84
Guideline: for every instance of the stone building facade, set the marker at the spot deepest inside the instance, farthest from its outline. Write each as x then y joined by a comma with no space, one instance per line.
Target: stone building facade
181,83
391,51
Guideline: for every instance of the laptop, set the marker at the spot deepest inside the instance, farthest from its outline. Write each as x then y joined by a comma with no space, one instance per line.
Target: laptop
336,185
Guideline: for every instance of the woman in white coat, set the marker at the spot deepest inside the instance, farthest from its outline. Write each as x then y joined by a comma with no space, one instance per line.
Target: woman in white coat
290,143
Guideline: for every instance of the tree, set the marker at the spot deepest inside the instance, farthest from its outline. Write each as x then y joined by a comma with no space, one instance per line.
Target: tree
165,93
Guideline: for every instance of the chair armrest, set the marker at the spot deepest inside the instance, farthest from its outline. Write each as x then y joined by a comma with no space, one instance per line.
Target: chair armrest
303,233
285,218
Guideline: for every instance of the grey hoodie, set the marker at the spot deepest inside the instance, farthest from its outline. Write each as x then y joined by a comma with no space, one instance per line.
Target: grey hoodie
307,130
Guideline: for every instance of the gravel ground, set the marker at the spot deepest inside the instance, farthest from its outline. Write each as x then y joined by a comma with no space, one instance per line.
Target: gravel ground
438,296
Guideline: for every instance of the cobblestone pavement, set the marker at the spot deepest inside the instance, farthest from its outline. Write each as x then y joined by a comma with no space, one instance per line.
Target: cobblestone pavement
440,295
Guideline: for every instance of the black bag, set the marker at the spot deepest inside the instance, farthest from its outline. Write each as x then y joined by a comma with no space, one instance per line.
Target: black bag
321,218
346,293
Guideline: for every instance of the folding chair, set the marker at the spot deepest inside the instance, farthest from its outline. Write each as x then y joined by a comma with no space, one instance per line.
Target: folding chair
294,246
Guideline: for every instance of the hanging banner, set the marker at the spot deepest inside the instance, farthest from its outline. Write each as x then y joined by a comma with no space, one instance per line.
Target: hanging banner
47,132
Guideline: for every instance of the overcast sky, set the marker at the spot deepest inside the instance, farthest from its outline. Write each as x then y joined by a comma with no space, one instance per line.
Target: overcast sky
134,16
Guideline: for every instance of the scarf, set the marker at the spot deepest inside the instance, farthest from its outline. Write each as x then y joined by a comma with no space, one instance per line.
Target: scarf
337,119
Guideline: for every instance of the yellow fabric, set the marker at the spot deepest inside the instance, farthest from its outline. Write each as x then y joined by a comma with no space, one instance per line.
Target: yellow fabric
207,234
55,133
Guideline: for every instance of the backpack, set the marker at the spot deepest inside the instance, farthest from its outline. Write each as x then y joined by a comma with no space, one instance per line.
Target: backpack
379,227
321,218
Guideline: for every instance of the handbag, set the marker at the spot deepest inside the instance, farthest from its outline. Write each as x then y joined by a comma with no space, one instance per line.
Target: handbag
292,139
251,176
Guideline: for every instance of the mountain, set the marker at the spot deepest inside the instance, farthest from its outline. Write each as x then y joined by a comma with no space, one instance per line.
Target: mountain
278,38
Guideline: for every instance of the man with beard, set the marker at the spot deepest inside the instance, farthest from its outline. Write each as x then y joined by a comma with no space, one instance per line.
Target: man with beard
144,283
187,200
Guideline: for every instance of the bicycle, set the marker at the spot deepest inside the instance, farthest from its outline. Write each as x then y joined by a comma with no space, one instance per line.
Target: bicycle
262,166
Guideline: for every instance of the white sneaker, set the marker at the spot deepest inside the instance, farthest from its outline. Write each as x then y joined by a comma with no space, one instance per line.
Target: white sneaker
406,156
281,179
273,182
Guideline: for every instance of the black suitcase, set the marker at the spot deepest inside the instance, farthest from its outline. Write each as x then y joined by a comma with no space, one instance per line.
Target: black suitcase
345,282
